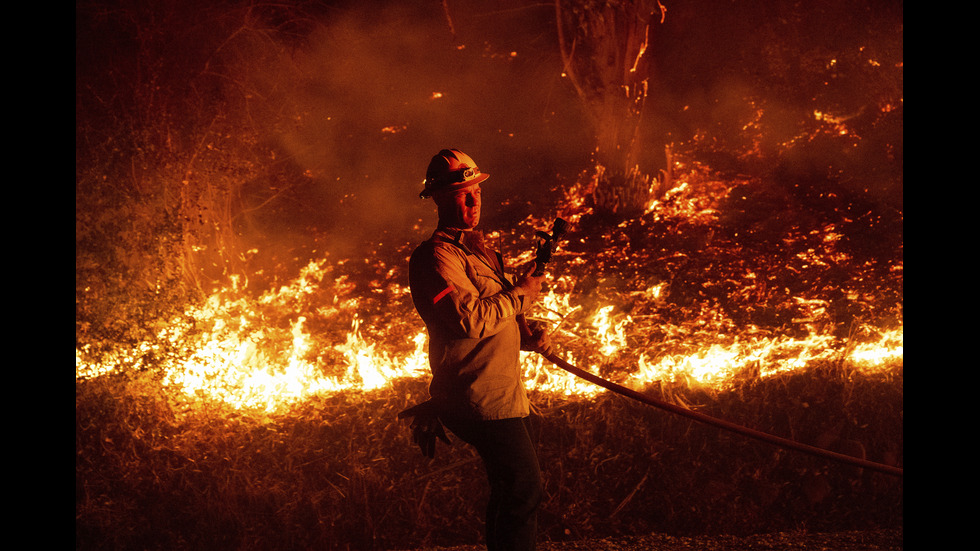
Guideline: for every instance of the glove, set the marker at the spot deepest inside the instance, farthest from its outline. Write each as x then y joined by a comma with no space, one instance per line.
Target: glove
538,340
426,427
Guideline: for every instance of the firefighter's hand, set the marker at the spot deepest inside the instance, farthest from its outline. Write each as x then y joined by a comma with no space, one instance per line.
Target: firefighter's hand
539,341
531,284
426,428
425,431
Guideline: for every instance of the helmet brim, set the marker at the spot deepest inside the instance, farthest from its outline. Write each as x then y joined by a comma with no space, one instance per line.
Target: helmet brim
430,191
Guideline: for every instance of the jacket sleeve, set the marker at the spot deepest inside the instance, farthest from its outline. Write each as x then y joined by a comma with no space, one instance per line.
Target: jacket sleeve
461,302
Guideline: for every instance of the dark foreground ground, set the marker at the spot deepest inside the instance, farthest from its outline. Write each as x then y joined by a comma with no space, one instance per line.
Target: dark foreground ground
880,540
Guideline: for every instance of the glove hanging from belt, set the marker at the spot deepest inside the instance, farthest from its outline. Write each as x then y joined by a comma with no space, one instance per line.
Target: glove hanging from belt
426,427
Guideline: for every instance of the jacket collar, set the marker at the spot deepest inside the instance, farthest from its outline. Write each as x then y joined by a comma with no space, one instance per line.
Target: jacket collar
467,240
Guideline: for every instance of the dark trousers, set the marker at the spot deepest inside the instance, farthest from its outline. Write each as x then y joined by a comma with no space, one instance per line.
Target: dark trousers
516,490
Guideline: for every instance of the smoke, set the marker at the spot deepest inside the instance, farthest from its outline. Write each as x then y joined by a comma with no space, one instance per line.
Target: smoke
373,94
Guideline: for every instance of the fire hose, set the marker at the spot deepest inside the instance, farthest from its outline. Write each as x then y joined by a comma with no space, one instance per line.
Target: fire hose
545,249
719,423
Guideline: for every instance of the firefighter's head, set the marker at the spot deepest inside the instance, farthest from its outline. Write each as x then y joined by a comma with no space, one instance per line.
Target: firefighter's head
453,182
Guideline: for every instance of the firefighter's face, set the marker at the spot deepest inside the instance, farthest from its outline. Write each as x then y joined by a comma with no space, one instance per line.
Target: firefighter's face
460,208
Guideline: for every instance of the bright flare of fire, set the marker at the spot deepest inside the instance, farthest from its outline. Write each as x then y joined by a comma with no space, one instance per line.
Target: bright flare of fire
697,359
242,362
236,356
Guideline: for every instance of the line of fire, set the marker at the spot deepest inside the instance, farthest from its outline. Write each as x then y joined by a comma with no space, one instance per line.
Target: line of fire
247,198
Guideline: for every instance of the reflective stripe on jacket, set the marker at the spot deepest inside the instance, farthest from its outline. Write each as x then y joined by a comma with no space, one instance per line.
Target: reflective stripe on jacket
470,308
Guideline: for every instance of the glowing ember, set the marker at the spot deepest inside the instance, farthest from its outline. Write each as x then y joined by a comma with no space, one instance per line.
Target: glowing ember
836,122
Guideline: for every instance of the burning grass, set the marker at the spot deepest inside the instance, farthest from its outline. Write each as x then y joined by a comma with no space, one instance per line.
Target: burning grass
267,420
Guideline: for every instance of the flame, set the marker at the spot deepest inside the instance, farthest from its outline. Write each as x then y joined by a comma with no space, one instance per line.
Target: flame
375,369
610,334
246,364
875,356
242,360
719,364
232,370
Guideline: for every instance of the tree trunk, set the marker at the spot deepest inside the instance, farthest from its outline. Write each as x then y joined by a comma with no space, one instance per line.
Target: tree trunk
604,50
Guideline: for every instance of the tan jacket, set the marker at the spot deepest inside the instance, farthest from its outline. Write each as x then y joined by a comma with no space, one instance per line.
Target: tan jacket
470,308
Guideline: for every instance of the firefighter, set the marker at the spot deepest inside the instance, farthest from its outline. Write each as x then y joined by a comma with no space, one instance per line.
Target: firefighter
474,315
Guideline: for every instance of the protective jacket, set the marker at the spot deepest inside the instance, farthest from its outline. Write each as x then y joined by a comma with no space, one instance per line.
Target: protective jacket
470,308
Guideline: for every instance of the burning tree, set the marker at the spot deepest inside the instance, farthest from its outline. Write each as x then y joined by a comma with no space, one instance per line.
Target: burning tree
604,51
